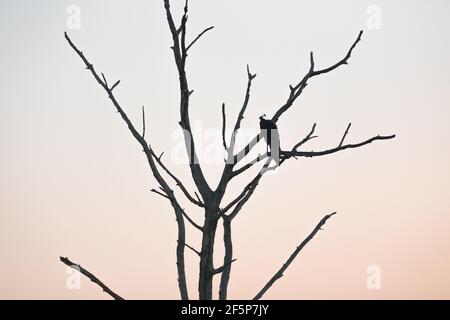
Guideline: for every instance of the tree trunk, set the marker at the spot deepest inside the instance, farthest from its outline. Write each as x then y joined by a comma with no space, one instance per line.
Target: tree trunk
223,290
207,254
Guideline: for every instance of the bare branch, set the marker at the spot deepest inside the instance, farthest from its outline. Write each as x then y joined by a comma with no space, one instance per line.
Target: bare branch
249,165
184,19
295,92
343,61
90,67
104,80
198,37
307,138
175,32
285,155
198,198
143,122
251,187
248,191
194,250
247,188
149,154
160,193
242,111
230,163
219,270
245,198
180,54
224,125
246,150
288,154
312,73
91,277
311,61
345,134
115,85
192,222
182,211
264,156
280,272
178,182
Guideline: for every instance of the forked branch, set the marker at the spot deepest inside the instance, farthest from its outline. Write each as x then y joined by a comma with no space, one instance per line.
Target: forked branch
288,154
178,182
295,92
294,152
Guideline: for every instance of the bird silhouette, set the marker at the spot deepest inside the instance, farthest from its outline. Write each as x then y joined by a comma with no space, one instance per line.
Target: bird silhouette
270,133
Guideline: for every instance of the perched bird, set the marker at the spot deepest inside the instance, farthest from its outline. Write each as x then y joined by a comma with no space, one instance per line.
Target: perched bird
269,130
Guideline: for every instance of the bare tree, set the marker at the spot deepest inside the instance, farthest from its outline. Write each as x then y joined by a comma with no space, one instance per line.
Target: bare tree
209,200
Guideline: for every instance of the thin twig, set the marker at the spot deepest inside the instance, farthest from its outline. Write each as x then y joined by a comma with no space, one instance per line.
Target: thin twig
178,182
198,37
224,124
194,250
198,198
115,85
143,122
251,189
237,126
307,138
104,80
160,193
345,134
192,222
220,269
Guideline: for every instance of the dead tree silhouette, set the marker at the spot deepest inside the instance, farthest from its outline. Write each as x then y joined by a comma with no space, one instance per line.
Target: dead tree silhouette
209,200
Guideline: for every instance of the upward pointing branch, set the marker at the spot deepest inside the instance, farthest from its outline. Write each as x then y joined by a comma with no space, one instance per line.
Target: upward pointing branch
237,126
296,91
224,125
198,37
279,274
180,54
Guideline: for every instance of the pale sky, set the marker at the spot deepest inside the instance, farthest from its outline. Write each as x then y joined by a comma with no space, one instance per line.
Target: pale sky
74,182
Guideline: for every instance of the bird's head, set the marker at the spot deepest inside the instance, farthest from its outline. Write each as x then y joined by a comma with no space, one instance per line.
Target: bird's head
262,117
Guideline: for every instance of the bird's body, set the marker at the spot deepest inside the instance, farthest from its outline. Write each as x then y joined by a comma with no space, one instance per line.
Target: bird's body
270,132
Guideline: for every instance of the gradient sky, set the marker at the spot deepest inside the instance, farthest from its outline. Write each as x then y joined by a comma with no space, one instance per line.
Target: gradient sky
75,183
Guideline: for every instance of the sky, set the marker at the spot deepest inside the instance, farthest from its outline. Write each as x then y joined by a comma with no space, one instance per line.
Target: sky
74,183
